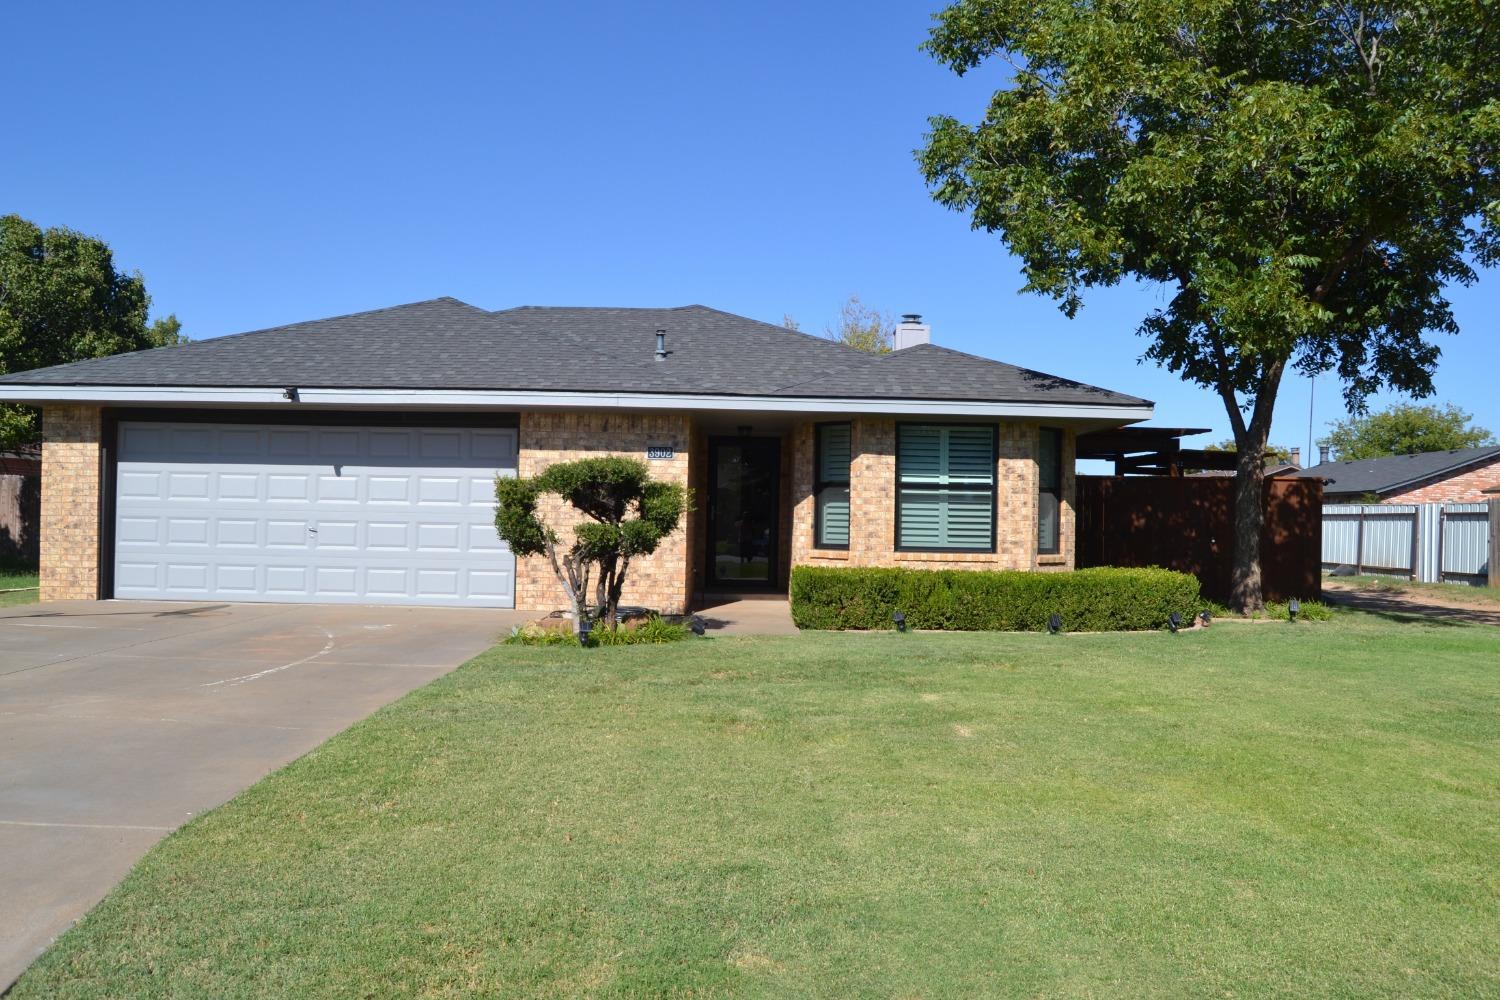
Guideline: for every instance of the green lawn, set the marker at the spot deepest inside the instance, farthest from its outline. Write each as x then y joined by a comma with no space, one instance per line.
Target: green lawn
1255,810
13,576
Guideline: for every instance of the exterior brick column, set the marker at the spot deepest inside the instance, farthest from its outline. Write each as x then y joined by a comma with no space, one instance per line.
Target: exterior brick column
664,580
71,491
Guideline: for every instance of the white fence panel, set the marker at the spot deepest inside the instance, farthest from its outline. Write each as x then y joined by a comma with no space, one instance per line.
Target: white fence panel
1429,542
1466,540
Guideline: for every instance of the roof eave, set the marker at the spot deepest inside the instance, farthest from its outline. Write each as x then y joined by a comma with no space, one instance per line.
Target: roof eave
375,398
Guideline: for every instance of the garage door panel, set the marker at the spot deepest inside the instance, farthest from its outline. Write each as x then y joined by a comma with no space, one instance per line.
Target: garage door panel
382,515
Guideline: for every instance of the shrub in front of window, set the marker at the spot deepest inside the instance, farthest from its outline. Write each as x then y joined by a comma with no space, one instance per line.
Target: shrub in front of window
1089,600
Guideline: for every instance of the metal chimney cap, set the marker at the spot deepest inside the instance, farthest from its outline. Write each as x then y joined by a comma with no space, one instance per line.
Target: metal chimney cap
911,317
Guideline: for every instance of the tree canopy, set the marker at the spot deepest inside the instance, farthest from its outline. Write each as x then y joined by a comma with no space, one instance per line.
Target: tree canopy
1302,179
62,300
627,514
1405,429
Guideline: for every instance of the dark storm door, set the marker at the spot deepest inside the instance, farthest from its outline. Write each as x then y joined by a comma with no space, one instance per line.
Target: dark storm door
743,511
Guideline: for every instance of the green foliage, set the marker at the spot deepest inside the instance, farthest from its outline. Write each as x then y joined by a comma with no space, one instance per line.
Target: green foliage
61,300
628,514
1089,600
1405,429
1302,180
652,631
862,327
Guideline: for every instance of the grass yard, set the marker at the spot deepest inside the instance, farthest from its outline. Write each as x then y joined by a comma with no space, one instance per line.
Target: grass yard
17,584
1255,810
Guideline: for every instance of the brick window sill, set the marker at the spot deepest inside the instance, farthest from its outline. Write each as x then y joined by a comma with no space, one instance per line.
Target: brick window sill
1054,560
947,557
835,555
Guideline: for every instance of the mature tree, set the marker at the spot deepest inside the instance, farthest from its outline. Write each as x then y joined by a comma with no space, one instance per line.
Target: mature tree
627,515
1301,178
1405,429
62,300
862,327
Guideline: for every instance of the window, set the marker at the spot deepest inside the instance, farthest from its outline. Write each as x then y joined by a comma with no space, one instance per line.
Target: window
832,486
1049,489
945,495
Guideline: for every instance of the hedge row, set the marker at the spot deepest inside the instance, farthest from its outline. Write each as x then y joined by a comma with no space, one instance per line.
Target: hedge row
1089,600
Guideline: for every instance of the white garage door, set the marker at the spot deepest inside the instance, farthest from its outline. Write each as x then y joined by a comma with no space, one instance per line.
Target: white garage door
315,514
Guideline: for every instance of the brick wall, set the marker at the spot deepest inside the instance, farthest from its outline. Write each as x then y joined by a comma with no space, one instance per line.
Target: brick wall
872,503
661,581
1466,487
70,503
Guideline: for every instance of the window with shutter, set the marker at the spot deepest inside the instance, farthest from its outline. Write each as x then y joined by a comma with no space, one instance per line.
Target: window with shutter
945,497
1049,490
831,489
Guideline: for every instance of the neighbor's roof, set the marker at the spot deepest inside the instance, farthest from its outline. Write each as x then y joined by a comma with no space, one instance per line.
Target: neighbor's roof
448,344
1389,475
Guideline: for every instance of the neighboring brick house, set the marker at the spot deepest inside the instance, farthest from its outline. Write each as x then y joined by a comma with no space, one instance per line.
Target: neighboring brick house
1459,476
352,459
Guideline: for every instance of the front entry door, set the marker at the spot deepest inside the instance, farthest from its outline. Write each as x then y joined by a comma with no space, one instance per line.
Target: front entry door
743,511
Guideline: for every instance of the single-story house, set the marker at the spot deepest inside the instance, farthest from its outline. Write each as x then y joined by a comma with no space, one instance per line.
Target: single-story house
352,459
1458,476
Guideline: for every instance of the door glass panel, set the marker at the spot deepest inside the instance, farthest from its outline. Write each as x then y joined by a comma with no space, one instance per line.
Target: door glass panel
744,512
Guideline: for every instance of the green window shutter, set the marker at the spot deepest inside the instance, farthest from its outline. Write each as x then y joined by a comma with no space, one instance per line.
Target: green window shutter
834,451
947,475
921,454
971,455
833,515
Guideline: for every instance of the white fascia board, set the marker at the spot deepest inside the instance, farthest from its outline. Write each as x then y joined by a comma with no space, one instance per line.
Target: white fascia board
524,399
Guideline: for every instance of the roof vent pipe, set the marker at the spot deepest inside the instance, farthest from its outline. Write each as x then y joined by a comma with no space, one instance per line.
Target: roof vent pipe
910,332
661,344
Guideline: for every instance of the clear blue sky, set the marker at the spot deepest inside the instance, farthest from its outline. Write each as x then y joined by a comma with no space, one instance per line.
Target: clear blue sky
269,163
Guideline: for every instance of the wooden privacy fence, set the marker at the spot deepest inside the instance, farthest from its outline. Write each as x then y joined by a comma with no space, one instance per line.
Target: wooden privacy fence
20,512
1427,542
1186,523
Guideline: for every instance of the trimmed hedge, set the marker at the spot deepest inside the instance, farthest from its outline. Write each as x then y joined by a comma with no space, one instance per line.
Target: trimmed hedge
1089,600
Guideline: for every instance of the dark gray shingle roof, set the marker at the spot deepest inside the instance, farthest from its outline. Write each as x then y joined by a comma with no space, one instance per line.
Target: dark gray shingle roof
447,344
1387,475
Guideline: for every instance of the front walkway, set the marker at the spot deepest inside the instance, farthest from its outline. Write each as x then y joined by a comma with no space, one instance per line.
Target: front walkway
737,614
121,720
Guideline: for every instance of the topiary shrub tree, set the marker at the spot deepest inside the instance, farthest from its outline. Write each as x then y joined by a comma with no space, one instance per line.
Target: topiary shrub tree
628,514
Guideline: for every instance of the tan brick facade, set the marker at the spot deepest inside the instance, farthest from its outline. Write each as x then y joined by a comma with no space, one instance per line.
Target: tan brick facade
662,581
872,504
1466,487
71,479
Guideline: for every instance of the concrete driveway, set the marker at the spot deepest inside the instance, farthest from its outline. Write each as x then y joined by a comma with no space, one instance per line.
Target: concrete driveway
120,721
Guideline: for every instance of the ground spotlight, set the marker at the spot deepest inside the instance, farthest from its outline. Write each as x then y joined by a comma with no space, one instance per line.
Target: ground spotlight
1206,617
696,624
900,619
1174,622
1054,623
584,627
1292,607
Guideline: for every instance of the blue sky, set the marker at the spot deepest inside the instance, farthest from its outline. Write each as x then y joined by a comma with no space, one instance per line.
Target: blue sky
268,163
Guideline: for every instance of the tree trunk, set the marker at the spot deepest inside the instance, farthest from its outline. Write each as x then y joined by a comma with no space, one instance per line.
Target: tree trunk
1250,439
1249,522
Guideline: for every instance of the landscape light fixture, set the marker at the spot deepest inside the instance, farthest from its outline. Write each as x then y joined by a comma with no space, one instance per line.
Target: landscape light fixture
1292,607
1054,623
584,626
696,624
1174,621
900,619
1206,617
